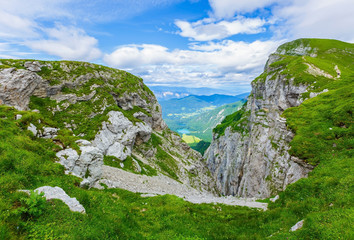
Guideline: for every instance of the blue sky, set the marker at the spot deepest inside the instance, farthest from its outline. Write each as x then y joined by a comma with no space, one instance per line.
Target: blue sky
196,43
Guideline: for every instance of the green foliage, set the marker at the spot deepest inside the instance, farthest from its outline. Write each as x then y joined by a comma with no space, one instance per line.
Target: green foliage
166,163
201,147
155,140
323,124
237,121
32,206
130,165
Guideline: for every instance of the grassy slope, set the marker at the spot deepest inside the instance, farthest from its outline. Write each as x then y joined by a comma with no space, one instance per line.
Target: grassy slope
324,199
27,163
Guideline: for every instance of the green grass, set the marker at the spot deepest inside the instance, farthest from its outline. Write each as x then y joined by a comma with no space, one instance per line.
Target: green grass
201,146
130,165
190,139
166,163
237,121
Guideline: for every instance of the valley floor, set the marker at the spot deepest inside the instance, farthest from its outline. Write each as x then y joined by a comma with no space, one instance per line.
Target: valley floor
161,185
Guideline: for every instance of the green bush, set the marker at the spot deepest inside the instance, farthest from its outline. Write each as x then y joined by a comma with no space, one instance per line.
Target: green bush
32,206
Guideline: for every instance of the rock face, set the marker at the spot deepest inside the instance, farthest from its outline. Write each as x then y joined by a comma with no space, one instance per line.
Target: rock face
16,86
254,161
87,165
118,135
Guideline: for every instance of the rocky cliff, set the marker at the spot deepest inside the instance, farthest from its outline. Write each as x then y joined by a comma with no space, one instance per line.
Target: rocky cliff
98,116
249,155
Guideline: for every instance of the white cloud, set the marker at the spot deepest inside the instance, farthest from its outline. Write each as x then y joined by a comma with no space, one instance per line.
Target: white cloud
210,64
228,8
68,43
13,26
23,26
312,18
206,29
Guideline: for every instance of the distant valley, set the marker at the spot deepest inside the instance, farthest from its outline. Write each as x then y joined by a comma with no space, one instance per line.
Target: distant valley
194,117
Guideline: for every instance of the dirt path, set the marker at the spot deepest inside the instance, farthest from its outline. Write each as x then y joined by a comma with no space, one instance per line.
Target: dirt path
160,185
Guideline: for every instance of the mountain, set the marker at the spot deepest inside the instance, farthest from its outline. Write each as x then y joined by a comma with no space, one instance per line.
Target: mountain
194,103
85,154
164,93
219,100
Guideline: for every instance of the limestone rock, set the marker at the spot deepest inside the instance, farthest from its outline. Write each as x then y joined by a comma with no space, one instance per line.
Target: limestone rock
16,86
257,164
49,132
274,198
128,101
83,142
33,129
297,226
59,193
33,66
315,94
118,136
68,158
88,165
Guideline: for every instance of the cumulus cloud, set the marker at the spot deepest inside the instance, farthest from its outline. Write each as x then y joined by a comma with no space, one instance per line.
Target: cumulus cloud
312,18
228,8
23,26
206,29
13,26
68,43
211,64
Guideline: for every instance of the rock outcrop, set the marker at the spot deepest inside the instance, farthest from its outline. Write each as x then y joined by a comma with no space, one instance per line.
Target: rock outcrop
252,159
59,193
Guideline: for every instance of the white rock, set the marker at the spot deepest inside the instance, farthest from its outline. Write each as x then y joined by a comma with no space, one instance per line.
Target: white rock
118,136
33,129
88,165
33,66
314,94
49,132
274,198
18,116
297,226
68,158
137,166
59,193
83,142
16,87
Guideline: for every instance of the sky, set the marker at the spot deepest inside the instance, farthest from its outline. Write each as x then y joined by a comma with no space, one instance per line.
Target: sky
221,44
